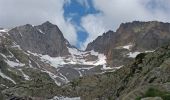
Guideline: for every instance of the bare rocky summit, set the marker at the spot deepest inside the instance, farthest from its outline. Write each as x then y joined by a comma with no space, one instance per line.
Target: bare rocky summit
41,39
133,36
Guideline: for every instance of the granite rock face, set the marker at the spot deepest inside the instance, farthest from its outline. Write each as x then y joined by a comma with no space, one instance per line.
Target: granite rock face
103,43
142,36
41,39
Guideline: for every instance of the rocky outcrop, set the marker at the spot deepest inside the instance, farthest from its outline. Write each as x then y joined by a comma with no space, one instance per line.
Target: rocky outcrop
42,39
103,43
143,35
140,36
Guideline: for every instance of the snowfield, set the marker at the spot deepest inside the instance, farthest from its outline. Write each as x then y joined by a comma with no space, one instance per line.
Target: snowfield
3,30
134,54
6,77
127,46
76,57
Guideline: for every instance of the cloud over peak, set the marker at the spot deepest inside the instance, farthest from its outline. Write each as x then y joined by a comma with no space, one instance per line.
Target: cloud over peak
20,12
114,12
81,21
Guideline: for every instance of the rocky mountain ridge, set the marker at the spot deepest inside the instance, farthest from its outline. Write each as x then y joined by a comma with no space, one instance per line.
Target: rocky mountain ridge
39,58
31,54
134,36
41,39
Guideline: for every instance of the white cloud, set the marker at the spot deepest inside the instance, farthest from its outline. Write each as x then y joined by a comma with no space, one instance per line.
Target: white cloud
93,26
19,12
114,12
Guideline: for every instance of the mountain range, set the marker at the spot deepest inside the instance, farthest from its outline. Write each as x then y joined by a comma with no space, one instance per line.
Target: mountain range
38,63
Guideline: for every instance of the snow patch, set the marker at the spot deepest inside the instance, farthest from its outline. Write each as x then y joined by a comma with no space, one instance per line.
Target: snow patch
80,73
53,61
16,46
106,68
84,68
74,51
133,54
6,77
76,57
119,67
14,64
20,34
3,30
53,76
25,76
4,85
127,46
65,98
40,31
64,78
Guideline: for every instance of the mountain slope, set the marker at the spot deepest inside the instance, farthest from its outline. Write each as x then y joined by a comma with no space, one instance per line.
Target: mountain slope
41,39
147,76
37,62
40,54
131,39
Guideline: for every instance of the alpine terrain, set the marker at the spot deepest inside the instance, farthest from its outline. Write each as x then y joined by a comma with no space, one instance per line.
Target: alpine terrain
132,63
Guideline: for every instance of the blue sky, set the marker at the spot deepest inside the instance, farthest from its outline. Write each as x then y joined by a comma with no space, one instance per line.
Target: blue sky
75,10
82,21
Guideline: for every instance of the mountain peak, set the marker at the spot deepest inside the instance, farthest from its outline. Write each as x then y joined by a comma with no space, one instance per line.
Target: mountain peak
44,39
141,24
47,23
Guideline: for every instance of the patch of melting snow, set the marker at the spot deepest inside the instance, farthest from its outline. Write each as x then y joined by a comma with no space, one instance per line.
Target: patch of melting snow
75,58
127,46
20,34
3,30
65,98
106,68
16,46
54,61
25,76
30,65
6,77
53,76
14,64
119,67
84,68
133,54
74,51
80,73
4,85
40,31
64,77
3,55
